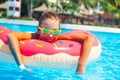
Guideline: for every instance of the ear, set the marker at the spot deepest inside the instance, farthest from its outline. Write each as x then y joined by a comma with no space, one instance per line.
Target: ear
39,30
59,24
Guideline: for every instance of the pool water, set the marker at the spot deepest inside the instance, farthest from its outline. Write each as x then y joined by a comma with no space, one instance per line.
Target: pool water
106,67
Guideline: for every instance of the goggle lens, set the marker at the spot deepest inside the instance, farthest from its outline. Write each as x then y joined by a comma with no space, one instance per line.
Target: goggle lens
45,31
56,32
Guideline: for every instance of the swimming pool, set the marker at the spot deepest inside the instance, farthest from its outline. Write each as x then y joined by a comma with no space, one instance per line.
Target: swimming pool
106,67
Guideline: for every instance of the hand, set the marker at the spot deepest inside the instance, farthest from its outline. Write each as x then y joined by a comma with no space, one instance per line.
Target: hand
28,70
80,69
24,68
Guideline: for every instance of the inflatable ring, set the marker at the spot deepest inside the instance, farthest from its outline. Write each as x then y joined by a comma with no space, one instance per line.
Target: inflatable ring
62,53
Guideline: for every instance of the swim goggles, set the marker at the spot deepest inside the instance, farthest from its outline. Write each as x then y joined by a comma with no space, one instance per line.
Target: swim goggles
46,31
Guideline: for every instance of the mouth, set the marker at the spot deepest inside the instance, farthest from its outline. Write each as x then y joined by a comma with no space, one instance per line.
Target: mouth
49,39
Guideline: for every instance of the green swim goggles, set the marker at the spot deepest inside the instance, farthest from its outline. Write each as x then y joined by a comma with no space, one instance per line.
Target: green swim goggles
46,31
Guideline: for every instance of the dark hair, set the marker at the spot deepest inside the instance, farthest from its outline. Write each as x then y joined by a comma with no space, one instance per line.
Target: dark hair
48,14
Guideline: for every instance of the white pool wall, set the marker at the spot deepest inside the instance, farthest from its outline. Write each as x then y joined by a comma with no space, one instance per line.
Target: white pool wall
67,26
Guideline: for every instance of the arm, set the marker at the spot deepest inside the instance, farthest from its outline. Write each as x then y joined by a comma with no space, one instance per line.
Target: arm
13,41
87,44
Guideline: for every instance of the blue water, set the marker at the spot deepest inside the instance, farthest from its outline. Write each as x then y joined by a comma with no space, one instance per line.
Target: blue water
106,67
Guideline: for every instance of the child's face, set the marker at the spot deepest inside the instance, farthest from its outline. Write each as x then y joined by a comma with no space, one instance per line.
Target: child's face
49,29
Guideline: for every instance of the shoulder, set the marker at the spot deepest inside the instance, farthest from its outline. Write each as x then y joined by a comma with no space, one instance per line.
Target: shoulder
63,36
79,36
23,35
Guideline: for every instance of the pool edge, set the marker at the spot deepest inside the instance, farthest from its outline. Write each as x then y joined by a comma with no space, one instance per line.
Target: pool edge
67,26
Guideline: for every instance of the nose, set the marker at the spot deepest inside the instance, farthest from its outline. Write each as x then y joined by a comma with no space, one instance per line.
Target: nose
50,35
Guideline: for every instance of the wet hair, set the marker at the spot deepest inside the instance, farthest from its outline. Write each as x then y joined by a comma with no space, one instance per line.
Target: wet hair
48,14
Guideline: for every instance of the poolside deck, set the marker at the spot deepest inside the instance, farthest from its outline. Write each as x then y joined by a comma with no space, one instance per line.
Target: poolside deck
67,26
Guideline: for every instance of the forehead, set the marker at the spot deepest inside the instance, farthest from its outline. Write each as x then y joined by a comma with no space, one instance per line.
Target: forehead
51,23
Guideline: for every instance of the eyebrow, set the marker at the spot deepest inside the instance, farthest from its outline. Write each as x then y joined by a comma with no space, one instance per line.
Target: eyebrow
48,28
45,25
